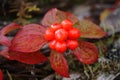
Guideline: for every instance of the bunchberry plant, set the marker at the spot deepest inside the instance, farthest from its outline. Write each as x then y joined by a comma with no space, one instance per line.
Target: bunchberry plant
61,31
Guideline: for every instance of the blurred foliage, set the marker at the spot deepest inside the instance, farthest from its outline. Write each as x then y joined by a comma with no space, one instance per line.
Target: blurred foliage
23,11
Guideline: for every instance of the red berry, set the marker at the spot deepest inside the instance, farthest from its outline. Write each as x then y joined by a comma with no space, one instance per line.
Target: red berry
56,26
52,44
49,34
67,24
72,44
61,35
61,47
74,33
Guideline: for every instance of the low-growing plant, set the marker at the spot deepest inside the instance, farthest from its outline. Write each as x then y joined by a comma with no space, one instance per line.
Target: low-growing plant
61,31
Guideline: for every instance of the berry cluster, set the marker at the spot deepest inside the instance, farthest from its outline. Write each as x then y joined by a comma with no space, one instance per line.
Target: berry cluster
62,36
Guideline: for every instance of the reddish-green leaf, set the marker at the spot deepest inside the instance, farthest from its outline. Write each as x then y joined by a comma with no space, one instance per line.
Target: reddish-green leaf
89,29
59,64
3,39
54,15
29,39
1,75
87,52
28,58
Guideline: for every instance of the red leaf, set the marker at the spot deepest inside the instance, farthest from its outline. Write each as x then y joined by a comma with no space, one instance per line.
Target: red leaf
87,52
33,29
59,64
5,53
9,28
90,30
1,75
54,15
3,39
28,58
29,39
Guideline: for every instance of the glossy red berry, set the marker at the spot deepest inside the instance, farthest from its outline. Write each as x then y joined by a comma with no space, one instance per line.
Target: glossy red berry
56,26
61,47
61,35
49,34
74,33
72,44
67,24
52,44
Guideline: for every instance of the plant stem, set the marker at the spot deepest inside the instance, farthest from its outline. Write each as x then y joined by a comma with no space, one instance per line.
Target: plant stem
91,71
85,71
